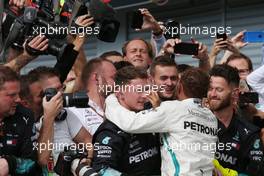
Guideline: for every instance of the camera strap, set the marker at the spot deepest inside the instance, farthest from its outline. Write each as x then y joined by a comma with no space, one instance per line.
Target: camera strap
97,112
1,22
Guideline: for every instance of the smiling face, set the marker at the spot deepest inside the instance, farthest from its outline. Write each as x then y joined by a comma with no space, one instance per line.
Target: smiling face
219,94
133,98
137,54
166,78
9,96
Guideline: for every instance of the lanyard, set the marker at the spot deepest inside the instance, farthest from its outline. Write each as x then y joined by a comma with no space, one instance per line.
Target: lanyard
97,112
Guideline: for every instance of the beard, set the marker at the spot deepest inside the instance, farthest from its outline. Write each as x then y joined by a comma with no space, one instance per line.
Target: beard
220,104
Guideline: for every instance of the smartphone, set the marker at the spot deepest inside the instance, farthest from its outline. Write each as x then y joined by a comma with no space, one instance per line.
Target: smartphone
137,20
249,97
258,122
223,36
254,37
186,48
83,10
173,26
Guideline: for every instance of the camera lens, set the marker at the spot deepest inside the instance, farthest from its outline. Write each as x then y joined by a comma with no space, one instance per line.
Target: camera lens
82,169
56,49
78,99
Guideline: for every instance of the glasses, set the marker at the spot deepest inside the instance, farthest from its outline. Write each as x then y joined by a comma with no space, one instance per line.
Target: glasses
243,71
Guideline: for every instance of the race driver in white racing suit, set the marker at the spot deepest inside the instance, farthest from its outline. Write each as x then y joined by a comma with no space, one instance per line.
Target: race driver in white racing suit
188,130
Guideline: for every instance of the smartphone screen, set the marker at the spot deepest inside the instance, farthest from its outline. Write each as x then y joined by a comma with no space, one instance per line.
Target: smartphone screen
186,48
137,20
173,26
254,37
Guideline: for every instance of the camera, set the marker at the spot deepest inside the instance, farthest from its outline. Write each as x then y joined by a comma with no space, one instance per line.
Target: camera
39,17
69,162
17,28
56,48
77,99
104,17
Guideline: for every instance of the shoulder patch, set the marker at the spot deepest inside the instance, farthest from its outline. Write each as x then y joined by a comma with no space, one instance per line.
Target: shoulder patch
236,137
257,144
106,140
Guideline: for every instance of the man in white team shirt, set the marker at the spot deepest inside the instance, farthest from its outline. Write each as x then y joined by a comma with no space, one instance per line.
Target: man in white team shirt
97,75
188,130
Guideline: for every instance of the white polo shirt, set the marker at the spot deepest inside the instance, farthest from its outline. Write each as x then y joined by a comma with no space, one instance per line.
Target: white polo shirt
91,117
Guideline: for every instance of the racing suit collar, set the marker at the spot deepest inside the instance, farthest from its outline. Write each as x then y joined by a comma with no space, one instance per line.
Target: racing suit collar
193,100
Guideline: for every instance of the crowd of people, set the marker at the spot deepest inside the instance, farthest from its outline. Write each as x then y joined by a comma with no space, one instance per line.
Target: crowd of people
145,113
